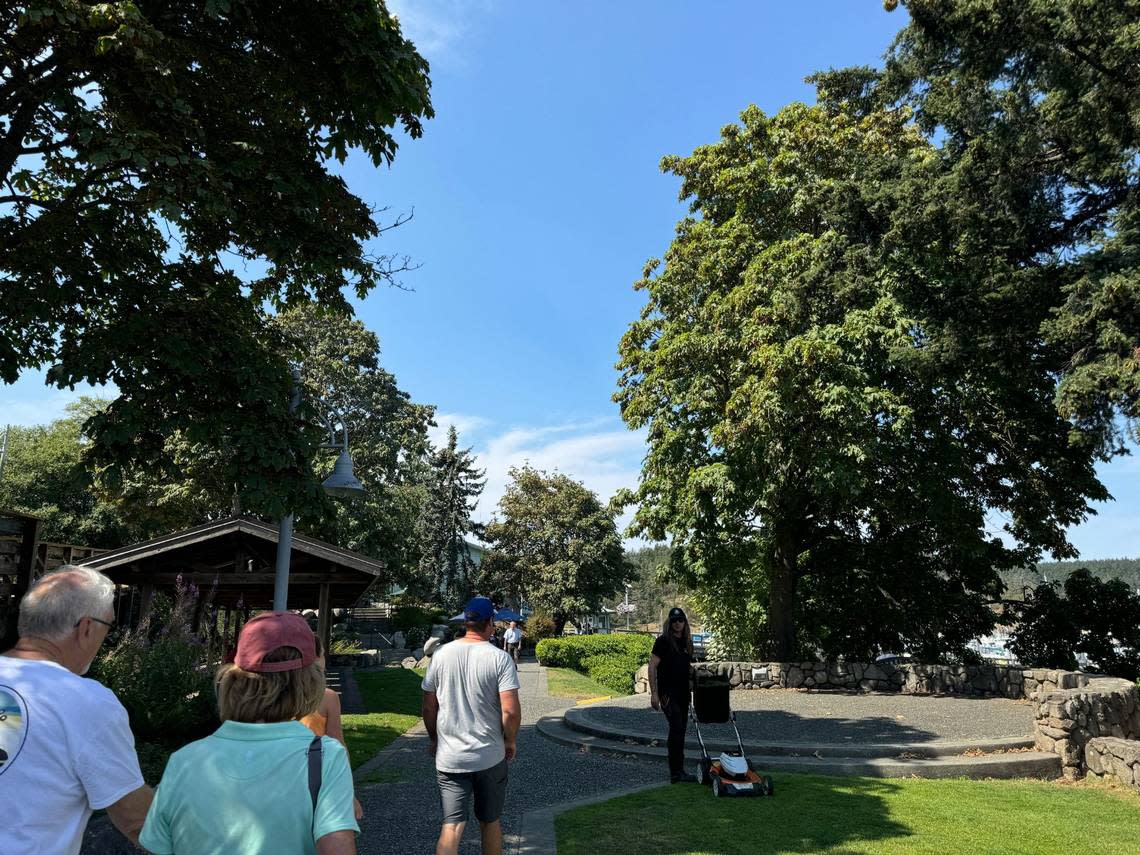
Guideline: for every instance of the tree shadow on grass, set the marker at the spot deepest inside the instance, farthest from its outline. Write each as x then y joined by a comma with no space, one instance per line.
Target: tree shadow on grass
808,814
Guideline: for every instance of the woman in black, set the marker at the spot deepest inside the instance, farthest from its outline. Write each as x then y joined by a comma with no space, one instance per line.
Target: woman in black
669,686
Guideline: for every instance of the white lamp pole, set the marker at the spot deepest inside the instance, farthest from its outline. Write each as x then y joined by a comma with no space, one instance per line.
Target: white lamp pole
341,483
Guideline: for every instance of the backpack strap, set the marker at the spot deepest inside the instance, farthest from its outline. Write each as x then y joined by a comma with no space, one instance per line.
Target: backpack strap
315,772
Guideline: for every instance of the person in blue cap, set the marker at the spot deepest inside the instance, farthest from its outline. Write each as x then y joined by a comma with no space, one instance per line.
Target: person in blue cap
471,713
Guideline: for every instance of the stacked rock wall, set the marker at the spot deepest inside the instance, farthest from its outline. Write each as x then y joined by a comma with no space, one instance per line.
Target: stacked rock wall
1069,721
1092,723
1111,757
907,678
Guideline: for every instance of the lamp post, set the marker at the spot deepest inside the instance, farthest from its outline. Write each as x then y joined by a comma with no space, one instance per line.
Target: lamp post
342,483
626,607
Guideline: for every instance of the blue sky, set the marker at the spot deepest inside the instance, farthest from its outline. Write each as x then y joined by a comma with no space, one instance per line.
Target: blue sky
538,198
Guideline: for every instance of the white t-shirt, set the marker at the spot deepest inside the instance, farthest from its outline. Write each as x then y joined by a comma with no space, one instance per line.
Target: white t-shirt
513,636
467,679
66,748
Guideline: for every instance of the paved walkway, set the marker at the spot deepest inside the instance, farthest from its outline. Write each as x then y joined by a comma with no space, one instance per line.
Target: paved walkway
776,715
402,813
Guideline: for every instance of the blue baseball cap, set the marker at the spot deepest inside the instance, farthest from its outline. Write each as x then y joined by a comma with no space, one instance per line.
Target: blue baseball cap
480,608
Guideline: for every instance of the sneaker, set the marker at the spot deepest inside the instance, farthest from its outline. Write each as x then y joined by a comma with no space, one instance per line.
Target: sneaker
683,778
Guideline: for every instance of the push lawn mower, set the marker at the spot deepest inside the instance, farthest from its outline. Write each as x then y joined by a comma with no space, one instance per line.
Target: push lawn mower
730,774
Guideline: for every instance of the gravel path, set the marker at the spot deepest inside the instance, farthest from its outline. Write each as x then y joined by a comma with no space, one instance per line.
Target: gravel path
777,715
403,816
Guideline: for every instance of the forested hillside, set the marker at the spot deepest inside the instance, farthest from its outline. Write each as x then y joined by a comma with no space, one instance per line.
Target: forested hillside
1126,569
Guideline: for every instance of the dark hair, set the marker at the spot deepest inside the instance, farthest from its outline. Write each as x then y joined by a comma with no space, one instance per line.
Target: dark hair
685,643
478,625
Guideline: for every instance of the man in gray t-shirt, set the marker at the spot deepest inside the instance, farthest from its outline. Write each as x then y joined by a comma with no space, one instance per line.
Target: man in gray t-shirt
471,712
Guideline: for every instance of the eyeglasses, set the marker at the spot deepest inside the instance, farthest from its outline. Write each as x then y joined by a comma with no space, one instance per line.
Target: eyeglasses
678,620
110,624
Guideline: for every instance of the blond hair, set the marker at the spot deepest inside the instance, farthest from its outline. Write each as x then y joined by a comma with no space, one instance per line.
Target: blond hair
249,696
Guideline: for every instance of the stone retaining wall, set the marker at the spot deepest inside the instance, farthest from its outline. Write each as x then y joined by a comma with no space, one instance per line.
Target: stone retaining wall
1092,723
1112,757
1068,721
907,678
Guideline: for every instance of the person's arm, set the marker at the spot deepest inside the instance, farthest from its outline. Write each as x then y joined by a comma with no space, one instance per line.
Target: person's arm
337,843
129,813
430,711
334,728
512,718
654,698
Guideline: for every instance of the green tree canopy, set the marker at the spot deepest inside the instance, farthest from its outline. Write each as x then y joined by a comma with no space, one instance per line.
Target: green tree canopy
44,475
454,485
554,546
1036,105
822,461
341,376
165,178
1100,619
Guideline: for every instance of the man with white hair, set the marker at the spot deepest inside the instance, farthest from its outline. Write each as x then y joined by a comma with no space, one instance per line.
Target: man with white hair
65,741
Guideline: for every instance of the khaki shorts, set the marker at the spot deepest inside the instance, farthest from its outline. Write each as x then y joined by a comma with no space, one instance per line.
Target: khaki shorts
487,788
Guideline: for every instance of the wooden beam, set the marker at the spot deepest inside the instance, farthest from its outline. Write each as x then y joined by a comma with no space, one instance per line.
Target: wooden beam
324,618
230,580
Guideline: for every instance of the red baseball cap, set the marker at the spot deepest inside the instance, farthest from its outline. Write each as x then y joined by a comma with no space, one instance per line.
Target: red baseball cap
268,631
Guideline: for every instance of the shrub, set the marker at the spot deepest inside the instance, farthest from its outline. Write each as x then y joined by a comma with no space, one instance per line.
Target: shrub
416,636
614,672
158,672
539,626
611,660
345,646
406,618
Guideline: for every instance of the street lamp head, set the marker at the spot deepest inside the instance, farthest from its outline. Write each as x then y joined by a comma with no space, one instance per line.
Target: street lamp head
342,483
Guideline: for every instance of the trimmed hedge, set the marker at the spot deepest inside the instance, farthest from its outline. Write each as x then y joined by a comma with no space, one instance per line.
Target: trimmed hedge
611,660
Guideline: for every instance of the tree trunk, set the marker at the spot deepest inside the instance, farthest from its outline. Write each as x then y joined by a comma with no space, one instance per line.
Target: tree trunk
559,624
782,601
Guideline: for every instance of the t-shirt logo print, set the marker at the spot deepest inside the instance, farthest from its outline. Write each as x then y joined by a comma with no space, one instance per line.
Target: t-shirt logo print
13,726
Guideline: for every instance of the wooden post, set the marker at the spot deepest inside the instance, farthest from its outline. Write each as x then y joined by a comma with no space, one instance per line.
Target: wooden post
226,632
324,619
146,601
26,568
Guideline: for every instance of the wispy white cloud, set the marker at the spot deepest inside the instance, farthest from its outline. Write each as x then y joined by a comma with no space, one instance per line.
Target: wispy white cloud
440,28
599,453
465,424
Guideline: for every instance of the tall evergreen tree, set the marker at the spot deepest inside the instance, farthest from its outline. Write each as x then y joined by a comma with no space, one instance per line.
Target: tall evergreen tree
454,487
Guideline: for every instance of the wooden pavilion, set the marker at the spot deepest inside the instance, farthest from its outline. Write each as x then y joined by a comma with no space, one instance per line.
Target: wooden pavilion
231,563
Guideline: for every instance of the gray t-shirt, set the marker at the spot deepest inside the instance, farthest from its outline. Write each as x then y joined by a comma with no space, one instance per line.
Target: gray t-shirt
467,678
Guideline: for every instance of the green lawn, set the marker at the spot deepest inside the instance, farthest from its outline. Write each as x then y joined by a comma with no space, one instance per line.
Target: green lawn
845,816
393,699
568,683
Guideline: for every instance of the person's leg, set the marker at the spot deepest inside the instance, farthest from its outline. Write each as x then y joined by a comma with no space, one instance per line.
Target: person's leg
492,834
677,715
450,833
456,791
490,793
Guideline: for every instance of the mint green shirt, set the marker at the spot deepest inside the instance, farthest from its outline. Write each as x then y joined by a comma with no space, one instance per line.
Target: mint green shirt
245,789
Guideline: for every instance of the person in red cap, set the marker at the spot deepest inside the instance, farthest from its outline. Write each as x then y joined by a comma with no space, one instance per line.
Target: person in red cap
262,782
